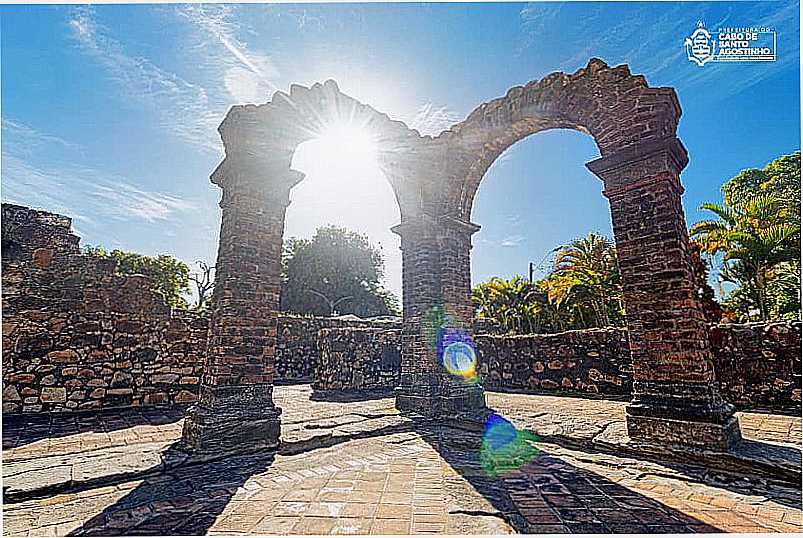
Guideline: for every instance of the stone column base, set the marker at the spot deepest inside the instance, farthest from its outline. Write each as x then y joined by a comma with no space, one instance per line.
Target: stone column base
232,419
466,401
694,434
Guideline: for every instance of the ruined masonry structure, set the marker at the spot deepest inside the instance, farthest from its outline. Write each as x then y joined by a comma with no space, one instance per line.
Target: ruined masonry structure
77,336
675,395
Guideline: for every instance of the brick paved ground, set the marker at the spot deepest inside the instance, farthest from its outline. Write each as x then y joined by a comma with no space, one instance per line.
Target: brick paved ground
422,480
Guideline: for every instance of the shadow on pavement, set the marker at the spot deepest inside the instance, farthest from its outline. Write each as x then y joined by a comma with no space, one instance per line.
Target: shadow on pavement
20,430
773,471
338,396
546,494
184,501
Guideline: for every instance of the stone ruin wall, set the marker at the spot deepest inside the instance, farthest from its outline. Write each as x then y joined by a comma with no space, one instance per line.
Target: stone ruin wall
589,361
758,364
78,336
357,359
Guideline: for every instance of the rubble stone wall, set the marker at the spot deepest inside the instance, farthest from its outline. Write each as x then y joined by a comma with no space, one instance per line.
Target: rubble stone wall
297,347
357,359
757,364
594,361
78,336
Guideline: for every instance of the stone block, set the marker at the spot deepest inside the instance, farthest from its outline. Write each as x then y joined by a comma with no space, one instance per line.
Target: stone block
66,356
185,396
10,394
121,379
54,394
164,378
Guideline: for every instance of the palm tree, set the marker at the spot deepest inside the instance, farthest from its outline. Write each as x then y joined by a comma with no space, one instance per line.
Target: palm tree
586,276
516,305
755,236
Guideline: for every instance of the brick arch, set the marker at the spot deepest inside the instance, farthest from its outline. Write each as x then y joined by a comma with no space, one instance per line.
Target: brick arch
262,139
616,108
435,179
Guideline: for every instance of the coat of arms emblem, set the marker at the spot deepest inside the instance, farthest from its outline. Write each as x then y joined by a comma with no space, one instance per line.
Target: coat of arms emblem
699,46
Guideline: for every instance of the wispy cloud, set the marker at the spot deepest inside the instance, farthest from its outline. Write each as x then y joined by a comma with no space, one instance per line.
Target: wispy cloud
184,107
512,241
28,139
248,76
87,194
649,37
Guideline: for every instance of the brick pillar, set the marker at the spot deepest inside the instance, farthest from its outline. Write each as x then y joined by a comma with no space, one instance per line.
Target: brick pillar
675,395
235,411
436,276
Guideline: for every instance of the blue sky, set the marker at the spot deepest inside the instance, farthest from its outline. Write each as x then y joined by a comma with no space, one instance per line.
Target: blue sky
109,112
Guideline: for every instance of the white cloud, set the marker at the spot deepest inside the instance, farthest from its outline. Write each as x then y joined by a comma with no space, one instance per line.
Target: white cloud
430,119
512,241
183,107
76,191
248,76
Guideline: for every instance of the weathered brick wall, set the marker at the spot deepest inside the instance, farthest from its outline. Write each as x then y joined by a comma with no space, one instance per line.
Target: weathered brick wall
595,361
758,364
357,359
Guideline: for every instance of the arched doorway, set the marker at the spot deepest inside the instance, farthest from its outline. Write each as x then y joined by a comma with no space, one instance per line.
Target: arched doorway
675,398
435,180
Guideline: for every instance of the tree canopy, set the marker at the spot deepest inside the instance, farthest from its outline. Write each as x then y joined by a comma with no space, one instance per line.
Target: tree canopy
337,271
170,275
581,291
756,231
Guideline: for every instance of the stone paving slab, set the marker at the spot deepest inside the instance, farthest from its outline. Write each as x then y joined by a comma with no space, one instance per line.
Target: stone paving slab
363,469
28,473
419,483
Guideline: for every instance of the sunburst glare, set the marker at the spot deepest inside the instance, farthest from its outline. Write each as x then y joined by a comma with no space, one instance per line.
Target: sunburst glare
345,145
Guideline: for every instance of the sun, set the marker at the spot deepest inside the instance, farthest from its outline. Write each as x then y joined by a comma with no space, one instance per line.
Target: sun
345,145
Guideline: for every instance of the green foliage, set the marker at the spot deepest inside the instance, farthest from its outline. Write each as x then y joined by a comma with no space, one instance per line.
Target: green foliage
582,291
516,305
335,271
170,276
757,232
586,279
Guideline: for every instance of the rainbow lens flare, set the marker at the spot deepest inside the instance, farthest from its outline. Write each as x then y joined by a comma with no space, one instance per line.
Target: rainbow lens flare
454,347
459,359
458,355
505,448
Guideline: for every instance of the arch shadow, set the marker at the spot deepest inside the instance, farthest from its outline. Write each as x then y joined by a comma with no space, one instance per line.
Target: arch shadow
547,495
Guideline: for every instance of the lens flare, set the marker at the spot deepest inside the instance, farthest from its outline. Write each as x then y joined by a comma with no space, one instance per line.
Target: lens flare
505,448
458,354
453,346
459,359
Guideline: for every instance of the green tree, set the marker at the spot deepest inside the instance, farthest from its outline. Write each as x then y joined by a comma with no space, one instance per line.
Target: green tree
581,291
515,305
756,235
781,176
585,279
337,271
171,276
